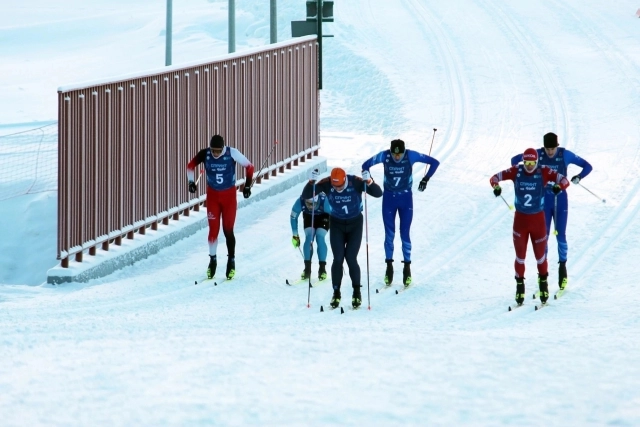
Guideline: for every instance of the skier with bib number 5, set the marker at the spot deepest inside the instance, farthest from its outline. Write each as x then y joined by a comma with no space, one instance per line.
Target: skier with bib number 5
222,203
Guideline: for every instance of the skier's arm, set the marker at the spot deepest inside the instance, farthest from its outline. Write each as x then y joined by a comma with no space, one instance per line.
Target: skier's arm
507,174
372,188
327,206
193,163
571,158
415,157
516,159
378,158
549,175
243,161
296,209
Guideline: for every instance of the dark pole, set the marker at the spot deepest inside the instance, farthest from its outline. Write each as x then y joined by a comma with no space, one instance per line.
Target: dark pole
319,18
274,22
232,26
168,31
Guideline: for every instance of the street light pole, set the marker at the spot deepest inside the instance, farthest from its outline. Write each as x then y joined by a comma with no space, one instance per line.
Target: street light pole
274,21
232,26
168,30
319,22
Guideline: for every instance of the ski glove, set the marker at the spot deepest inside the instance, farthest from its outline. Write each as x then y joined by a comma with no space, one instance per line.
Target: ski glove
314,174
246,192
556,189
497,191
295,240
366,177
576,179
192,187
423,183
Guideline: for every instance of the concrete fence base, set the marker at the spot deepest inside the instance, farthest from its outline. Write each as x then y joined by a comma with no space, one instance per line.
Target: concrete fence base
104,263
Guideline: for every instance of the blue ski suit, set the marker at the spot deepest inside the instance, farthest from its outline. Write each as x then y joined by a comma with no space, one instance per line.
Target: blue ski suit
557,207
397,197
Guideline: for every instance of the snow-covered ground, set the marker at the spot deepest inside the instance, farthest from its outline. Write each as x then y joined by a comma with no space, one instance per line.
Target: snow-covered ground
144,346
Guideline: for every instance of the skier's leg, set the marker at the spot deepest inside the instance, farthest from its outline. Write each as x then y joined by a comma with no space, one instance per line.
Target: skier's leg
229,209
321,235
353,243
406,218
213,218
520,240
389,209
561,226
337,242
539,240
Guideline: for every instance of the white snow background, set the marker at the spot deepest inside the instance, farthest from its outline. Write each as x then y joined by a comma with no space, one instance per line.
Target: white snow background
144,346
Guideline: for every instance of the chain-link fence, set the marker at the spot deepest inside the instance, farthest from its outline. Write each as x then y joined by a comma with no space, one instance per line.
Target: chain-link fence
29,161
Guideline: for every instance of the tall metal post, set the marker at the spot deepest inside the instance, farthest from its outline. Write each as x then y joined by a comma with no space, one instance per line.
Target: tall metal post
319,21
168,31
274,21
232,26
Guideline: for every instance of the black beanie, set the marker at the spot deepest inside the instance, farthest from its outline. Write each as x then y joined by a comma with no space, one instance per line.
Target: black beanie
397,146
550,140
216,142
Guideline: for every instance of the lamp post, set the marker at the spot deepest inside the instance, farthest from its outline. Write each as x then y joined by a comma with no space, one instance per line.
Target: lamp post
168,30
318,11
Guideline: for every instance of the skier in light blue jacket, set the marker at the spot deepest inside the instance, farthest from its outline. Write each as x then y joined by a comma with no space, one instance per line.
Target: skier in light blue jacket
319,209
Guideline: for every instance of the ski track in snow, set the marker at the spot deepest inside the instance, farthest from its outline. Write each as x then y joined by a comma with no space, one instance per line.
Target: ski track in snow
146,345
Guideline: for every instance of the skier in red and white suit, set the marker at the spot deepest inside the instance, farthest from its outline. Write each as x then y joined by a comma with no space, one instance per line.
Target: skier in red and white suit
530,182
220,166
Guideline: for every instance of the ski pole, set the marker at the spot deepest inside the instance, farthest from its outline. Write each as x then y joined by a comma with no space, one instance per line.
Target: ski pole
603,200
506,203
432,138
200,176
366,233
313,236
555,215
263,164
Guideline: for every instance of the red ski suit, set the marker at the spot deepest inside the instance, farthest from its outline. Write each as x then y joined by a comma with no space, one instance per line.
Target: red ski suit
222,202
529,221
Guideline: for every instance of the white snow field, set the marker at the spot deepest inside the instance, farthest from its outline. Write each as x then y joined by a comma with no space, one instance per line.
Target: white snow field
145,346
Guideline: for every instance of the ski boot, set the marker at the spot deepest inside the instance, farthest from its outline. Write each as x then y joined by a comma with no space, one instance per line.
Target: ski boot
388,275
406,273
335,299
213,263
356,300
562,275
307,271
231,268
519,290
543,285
322,272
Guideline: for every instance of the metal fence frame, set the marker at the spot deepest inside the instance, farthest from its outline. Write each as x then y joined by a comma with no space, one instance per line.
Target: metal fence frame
123,145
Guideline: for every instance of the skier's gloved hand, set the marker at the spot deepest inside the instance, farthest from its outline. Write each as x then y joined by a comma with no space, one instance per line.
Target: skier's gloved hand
576,179
246,192
497,191
366,177
295,240
192,187
423,183
314,174
556,189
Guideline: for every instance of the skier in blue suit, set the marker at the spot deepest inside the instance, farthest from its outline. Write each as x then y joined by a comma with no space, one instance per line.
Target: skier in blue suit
398,199
318,211
557,207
